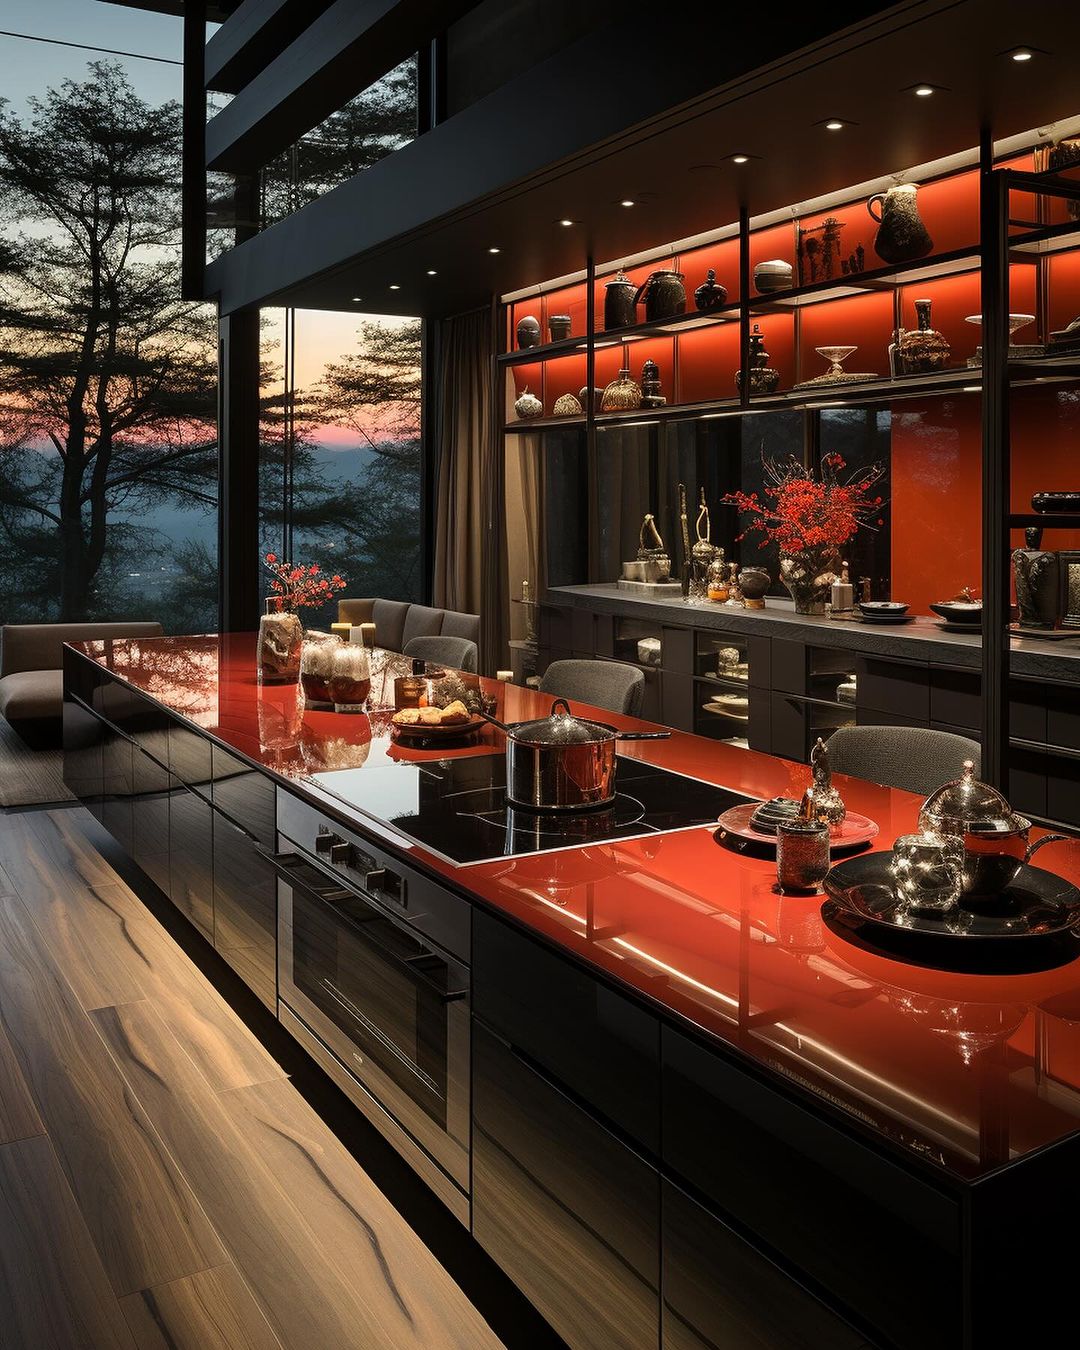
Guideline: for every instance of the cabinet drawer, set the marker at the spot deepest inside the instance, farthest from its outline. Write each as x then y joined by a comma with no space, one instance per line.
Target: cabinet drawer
955,698
720,1291
150,817
190,758
859,1225
604,1048
246,795
245,909
891,686
116,787
565,1208
191,852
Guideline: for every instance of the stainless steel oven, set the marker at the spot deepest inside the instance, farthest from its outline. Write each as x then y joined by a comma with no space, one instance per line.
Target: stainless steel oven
359,970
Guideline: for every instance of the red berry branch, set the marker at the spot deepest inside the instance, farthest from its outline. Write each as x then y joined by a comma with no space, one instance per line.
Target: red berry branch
300,585
801,512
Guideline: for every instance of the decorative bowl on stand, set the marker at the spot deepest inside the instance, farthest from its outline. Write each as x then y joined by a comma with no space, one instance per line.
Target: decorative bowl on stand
836,374
1016,350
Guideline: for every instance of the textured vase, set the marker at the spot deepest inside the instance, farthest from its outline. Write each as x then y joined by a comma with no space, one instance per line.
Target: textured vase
922,350
623,394
1037,587
281,637
809,577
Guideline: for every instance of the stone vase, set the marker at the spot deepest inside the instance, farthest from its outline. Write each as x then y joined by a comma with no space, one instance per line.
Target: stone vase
809,577
281,637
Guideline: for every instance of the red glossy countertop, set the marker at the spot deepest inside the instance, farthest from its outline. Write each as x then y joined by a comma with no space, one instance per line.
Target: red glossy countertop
967,1070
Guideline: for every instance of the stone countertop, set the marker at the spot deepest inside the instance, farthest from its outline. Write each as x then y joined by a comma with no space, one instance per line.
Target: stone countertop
923,639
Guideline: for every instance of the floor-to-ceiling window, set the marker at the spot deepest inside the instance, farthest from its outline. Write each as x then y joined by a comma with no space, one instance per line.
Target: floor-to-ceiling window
108,439
340,471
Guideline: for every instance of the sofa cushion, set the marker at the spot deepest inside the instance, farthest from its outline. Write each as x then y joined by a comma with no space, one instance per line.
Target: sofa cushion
28,695
39,646
389,618
421,621
355,611
457,624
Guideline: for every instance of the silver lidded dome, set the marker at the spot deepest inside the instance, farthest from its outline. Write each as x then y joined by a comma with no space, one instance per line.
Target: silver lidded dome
966,805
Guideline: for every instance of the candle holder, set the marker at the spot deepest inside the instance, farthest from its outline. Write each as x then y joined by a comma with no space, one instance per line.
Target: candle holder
802,855
928,869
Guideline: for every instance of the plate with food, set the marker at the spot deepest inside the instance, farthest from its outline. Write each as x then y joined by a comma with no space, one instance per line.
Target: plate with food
421,724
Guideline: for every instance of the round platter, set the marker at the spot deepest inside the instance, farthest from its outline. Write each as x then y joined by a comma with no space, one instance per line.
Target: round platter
1037,904
854,831
885,618
416,731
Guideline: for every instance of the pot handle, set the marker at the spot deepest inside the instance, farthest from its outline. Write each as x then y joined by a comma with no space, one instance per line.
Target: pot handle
643,288
561,705
657,736
877,197
1046,839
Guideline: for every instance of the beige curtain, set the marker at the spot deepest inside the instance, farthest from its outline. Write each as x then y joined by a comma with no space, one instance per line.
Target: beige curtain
470,523
524,524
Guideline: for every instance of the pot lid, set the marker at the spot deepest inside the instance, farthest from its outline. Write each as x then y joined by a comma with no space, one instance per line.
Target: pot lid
561,727
968,805
619,279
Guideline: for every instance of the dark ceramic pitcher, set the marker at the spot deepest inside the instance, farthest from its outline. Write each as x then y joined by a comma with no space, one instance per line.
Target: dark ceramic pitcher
664,295
619,302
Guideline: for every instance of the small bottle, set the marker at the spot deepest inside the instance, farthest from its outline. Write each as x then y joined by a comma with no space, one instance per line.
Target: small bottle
843,593
410,689
716,582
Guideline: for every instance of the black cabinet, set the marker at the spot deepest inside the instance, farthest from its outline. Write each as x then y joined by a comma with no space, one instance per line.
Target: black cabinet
601,1046
245,909
853,1221
721,1291
568,1210
84,770
191,853
117,786
151,790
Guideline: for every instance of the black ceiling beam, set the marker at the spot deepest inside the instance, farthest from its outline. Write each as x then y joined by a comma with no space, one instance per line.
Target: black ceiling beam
348,47
256,32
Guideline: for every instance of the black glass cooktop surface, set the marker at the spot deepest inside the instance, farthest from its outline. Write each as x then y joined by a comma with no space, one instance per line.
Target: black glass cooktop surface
458,807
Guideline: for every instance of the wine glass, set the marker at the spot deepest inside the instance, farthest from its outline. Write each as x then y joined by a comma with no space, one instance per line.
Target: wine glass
836,356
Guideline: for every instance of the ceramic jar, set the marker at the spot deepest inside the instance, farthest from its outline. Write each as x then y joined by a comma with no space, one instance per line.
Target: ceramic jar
710,294
559,327
763,379
663,294
901,234
620,309
528,405
528,331
922,350
754,582
623,394
567,405
773,275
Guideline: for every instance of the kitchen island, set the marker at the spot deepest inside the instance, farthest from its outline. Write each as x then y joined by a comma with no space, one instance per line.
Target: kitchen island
677,1107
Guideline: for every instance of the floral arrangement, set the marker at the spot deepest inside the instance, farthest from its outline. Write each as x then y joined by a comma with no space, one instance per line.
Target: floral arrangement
802,513
297,585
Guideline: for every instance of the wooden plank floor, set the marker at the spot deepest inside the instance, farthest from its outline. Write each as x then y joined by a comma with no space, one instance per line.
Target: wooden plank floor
162,1183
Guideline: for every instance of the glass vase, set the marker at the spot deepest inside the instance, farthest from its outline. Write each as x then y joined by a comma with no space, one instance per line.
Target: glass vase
809,576
281,637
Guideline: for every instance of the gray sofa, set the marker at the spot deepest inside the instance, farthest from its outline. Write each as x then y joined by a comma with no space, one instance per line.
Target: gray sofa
31,676
398,622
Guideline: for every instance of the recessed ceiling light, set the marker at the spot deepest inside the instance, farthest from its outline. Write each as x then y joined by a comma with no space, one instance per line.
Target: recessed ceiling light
923,90
1022,54
493,250
739,159
394,286
834,125
357,299
431,272
566,222
626,201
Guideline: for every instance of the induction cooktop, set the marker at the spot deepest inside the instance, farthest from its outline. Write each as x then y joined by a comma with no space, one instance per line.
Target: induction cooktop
458,808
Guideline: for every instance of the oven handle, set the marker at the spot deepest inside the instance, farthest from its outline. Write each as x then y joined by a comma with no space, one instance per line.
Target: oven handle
287,866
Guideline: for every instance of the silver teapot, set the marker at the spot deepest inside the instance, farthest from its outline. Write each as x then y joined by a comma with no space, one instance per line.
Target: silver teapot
995,837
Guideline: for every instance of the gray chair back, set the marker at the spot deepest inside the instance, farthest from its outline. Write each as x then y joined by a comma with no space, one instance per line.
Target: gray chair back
916,759
605,684
40,646
458,624
420,621
458,653
389,617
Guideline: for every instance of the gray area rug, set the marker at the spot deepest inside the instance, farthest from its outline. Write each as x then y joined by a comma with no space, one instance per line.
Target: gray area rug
29,777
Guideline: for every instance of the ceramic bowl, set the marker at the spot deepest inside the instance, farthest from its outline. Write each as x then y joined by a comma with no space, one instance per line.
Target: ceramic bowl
958,611
882,607
774,275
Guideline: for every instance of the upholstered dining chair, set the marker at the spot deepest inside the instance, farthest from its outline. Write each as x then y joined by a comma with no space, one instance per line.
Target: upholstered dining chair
605,684
456,652
916,759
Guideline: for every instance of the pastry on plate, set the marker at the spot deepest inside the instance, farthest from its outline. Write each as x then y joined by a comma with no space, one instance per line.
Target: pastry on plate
455,713
407,717
430,717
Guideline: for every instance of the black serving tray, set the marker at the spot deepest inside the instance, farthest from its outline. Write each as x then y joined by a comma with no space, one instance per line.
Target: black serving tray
1037,905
